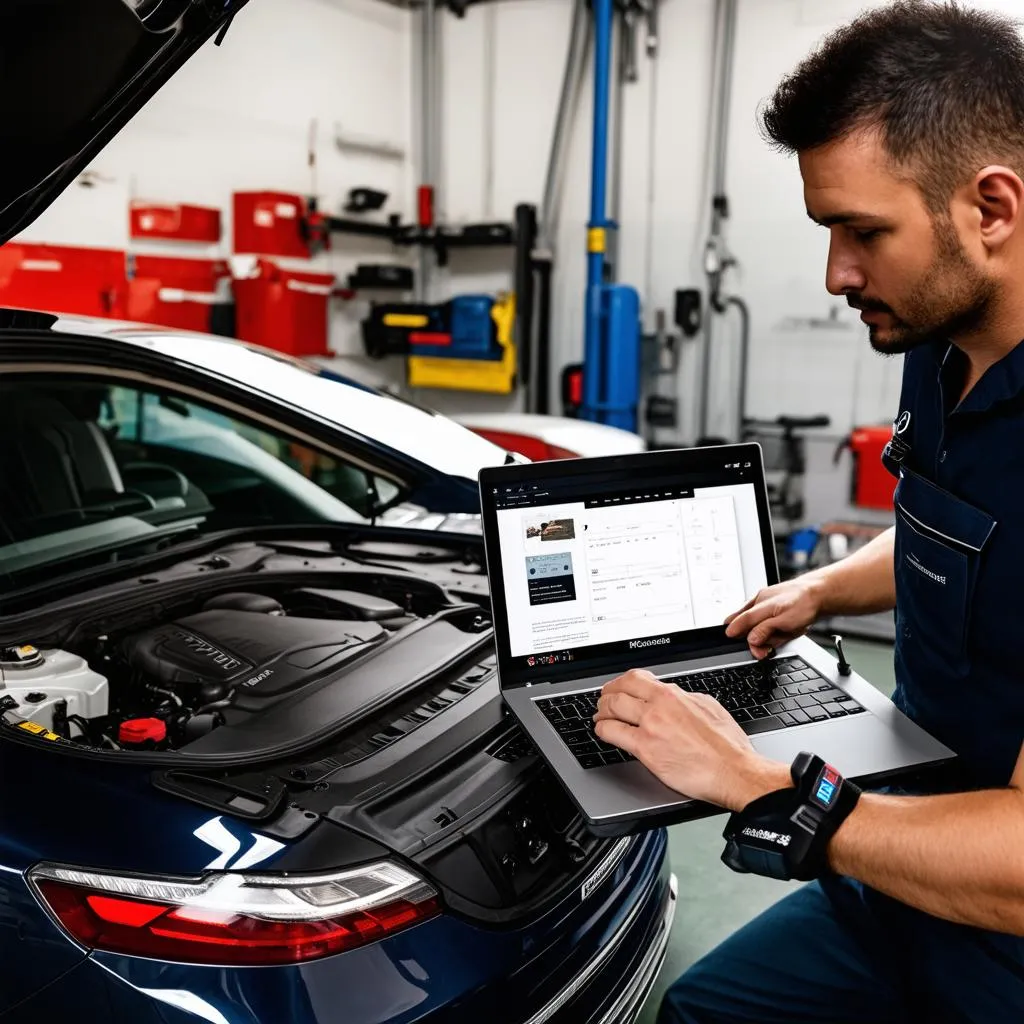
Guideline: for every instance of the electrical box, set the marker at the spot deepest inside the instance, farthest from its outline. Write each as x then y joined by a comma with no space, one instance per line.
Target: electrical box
177,222
270,224
63,279
175,292
282,309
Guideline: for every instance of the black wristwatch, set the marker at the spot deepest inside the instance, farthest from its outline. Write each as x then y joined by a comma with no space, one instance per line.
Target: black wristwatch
785,834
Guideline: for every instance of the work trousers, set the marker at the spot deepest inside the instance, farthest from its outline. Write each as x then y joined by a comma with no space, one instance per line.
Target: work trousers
837,952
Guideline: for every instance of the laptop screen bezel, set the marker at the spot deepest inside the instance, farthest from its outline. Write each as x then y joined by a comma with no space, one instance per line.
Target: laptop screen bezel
676,462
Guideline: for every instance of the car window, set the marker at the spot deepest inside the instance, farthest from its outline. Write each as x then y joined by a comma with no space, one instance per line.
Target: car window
86,463
149,418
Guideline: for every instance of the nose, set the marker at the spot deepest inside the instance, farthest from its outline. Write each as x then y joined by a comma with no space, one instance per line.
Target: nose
843,273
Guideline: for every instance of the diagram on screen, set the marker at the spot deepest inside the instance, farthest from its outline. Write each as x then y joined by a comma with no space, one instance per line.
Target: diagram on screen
713,558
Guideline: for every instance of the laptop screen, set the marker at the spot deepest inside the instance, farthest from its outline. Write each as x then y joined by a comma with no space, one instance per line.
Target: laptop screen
636,563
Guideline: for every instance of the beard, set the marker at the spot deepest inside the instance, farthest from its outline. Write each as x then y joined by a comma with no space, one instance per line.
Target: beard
952,298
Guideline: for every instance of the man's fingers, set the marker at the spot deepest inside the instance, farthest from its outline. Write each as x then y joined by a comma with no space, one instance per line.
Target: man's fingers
638,683
619,706
618,733
746,621
739,611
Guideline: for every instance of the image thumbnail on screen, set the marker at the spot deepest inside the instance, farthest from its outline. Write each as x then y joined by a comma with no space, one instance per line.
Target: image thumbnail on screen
551,529
549,578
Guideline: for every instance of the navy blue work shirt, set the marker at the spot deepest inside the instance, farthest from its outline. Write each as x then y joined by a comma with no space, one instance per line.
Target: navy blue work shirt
959,556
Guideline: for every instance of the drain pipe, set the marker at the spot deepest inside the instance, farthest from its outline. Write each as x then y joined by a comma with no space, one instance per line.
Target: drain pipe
597,228
717,258
539,387
572,81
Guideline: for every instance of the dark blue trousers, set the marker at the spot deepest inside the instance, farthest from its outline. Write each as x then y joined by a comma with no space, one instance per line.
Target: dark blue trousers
837,952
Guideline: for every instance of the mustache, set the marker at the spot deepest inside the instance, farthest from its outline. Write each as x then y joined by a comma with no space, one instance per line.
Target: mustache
863,304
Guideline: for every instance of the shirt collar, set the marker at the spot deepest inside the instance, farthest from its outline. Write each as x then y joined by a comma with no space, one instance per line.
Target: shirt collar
1001,382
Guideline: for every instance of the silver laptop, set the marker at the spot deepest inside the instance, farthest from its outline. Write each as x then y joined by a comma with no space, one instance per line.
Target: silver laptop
600,565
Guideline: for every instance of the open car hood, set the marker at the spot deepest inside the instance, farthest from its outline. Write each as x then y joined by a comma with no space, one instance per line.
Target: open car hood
75,72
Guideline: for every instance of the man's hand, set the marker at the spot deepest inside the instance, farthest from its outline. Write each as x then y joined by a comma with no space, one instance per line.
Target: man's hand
688,740
778,614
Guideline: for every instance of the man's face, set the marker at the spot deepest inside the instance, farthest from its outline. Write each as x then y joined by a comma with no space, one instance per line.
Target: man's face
906,270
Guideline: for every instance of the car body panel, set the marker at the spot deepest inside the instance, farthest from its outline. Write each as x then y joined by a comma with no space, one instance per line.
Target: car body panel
442,970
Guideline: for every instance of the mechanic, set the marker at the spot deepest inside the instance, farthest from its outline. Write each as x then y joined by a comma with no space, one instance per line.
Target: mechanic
908,125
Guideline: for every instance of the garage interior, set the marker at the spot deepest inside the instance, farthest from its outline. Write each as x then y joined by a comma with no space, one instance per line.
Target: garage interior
402,192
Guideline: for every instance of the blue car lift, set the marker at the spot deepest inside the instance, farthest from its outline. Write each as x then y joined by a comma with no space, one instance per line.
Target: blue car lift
611,346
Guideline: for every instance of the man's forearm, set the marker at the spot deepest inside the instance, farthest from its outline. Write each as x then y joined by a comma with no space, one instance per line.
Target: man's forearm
956,856
862,583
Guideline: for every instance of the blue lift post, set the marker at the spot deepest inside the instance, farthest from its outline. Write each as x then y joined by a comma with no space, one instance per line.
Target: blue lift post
611,348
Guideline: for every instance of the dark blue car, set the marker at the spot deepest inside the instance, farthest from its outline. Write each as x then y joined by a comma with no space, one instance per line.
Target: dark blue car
255,764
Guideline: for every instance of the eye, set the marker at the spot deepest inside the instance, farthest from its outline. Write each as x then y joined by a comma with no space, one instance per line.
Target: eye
867,234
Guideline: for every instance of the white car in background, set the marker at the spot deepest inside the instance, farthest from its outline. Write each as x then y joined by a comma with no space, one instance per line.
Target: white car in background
551,437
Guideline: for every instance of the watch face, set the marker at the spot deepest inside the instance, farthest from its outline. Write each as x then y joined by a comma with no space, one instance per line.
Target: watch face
827,787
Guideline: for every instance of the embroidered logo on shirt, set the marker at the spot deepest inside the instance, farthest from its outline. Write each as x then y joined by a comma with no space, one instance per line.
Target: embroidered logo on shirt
913,560
898,449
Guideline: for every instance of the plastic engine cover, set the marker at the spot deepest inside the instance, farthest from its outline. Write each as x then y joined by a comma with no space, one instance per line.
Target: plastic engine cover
261,657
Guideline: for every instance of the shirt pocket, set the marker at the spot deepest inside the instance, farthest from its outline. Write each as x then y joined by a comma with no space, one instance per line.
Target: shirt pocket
940,540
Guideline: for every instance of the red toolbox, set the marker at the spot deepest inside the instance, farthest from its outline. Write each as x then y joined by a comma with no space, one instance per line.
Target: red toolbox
63,279
872,485
178,222
286,310
270,224
174,292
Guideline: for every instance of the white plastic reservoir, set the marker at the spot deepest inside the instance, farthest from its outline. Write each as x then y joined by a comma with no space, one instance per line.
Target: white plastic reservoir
38,680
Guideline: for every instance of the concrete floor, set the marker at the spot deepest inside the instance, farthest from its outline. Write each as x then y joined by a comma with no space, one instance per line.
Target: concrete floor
714,901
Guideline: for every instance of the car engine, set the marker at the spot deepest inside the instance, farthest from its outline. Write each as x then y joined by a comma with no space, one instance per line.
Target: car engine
228,657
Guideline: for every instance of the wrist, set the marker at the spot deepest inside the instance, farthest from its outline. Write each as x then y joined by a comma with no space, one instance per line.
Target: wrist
840,851
819,586
758,776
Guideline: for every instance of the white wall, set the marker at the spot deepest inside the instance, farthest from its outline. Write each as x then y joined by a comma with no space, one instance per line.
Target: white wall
794,369
802,361
238,117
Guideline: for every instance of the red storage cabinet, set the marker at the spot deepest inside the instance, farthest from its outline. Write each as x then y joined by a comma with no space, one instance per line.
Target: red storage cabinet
174,292
270,224
177,222
286,310
63,279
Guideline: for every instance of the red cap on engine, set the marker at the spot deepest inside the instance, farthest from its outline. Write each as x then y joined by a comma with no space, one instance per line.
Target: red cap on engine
139,730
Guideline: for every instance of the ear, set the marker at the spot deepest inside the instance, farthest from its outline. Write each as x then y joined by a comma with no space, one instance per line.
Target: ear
999,199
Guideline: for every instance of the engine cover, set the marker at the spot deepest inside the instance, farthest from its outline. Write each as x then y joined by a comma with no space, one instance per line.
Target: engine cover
260,657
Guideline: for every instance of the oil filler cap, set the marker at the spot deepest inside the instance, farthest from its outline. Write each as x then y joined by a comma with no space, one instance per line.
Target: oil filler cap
142,730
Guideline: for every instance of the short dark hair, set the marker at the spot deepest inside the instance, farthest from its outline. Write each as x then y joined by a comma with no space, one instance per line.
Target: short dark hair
944,85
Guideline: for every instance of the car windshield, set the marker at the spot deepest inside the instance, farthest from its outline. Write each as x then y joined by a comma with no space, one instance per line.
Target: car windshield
92,470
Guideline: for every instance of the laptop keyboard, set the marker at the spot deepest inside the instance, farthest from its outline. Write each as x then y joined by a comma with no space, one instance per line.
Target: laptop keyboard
761,697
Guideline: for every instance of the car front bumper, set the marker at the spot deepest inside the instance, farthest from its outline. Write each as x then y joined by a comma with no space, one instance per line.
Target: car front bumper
637,979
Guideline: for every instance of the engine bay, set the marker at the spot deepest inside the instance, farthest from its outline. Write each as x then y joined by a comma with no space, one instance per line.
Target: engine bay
228,660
